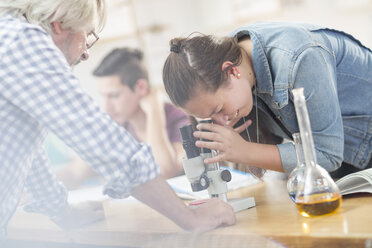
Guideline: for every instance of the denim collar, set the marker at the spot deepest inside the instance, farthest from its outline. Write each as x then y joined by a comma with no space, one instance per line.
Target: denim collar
260,63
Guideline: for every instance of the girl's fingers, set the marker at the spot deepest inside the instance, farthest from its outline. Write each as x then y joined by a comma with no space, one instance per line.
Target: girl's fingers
232,122
210,127
242,127
210,145
214,128
211,136
218,158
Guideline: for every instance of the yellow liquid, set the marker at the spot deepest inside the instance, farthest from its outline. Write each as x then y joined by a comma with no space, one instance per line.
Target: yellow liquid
318,204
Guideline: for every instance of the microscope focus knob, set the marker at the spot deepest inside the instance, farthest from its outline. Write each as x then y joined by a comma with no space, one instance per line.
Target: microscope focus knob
204,182
201,184
226,175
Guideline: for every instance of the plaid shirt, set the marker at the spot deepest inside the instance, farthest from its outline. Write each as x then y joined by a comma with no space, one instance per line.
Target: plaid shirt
38,92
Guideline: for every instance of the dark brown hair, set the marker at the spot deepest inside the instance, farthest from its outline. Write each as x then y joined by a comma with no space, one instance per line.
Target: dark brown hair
124,62
195,63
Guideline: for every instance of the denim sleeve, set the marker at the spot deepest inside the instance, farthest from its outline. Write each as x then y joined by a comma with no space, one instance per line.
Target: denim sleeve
288,156
315,70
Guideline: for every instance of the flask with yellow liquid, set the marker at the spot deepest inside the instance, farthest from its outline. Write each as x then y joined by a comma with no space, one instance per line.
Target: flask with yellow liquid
317,194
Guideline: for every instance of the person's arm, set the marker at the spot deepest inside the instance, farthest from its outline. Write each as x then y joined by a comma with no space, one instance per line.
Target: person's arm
44,192
166,154
315,71
74,173
158,195
180,154
48,196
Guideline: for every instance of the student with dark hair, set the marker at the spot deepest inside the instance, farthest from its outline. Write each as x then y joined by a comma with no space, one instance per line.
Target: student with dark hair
255,68
128,99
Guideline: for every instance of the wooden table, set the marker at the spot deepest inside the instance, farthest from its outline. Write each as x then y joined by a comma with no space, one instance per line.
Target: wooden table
274,222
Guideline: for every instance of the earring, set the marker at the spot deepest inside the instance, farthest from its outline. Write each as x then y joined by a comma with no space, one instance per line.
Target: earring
238,75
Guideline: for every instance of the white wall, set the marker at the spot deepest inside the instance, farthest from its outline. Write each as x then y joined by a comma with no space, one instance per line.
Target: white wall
159,21
150,24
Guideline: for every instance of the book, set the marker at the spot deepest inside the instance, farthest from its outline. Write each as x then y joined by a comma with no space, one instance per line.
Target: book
357,182
179,184
182,187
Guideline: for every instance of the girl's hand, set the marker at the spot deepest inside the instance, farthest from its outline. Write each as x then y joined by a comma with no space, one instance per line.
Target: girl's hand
226,140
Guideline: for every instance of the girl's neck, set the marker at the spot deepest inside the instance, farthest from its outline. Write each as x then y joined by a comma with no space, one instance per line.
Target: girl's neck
247,45
247,63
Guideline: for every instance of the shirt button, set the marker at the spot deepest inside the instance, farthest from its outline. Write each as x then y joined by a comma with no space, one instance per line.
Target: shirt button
276,104
361,162
279,117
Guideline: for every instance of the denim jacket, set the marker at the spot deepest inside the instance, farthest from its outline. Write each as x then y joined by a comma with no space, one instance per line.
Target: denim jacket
335,71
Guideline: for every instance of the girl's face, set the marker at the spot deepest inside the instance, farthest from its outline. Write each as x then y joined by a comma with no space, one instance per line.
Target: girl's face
228,104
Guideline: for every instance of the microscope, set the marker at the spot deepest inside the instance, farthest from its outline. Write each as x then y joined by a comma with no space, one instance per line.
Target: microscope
208,176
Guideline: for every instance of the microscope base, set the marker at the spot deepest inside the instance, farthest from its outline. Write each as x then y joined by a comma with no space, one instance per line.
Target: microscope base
240,204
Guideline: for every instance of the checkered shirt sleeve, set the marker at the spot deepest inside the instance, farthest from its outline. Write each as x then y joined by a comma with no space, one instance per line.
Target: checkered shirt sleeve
38,86
46,194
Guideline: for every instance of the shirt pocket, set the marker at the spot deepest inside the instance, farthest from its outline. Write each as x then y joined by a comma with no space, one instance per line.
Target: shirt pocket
282,104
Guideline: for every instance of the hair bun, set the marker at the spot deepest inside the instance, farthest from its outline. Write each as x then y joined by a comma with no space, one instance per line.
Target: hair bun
175,48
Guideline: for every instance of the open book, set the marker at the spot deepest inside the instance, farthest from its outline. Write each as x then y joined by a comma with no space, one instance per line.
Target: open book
179,184
358,182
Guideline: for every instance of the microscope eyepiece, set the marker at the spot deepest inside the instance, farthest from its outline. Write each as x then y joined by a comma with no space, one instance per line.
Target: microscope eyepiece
188,141
206,121
205,150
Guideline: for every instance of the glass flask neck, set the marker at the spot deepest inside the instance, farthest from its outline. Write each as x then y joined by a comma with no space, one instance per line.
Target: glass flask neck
298,148
304,126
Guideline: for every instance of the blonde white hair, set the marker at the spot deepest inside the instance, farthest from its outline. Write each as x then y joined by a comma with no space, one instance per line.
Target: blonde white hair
79,15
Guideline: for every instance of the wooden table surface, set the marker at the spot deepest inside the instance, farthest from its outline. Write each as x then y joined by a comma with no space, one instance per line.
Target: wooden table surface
274,222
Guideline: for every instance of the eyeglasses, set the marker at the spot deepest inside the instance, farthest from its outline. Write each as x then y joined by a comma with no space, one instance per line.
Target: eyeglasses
92,38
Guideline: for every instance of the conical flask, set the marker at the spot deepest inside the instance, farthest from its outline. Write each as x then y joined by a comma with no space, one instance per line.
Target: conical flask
297,174
317,194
